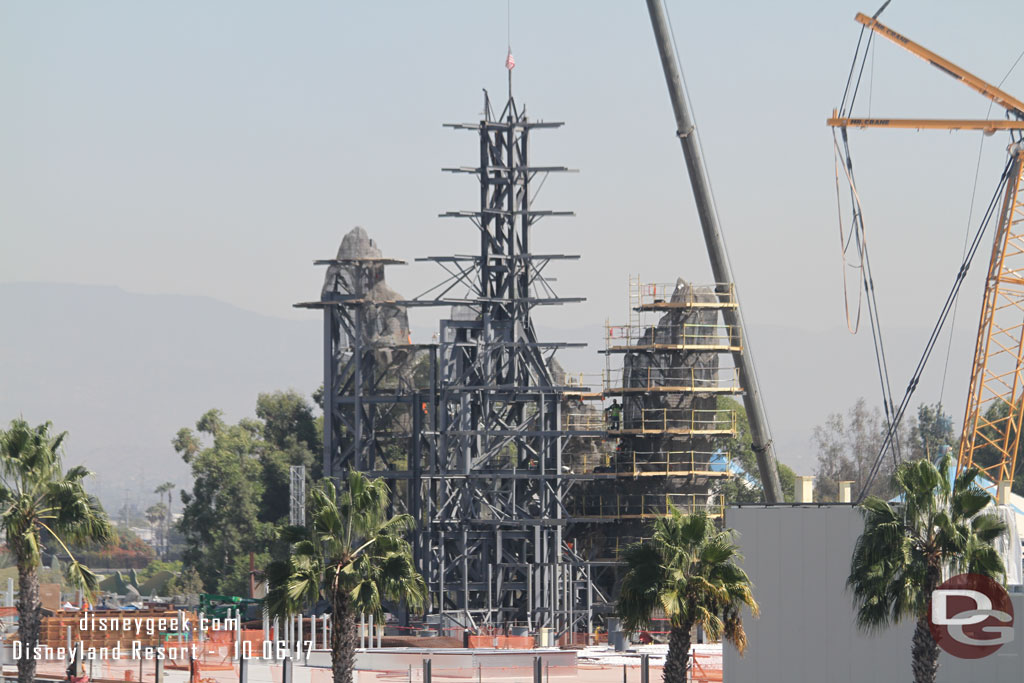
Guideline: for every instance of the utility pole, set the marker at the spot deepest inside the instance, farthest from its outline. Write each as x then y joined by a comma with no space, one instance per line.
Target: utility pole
760,436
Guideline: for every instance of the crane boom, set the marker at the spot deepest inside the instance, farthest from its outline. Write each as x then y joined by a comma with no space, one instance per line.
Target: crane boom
987,125
1000,97
760,437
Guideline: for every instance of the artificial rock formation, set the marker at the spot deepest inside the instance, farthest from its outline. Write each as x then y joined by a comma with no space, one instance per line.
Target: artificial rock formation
360,273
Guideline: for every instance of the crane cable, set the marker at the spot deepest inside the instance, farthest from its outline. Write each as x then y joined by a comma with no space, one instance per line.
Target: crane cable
970,217
937,330
858,235
844,247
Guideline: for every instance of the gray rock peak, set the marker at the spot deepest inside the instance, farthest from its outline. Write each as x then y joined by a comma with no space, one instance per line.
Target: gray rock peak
357,244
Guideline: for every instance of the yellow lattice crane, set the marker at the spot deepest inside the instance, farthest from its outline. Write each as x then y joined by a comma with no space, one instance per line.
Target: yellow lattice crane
992,421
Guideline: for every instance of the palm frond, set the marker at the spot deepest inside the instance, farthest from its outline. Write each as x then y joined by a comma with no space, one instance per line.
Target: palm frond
899,557
687,570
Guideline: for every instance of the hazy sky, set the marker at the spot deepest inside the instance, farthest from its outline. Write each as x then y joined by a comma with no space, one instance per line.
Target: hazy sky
218,148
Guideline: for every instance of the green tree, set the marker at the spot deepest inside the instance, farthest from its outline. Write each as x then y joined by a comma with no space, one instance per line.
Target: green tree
741,451
689,570
288,419
240,489
40,501
932,431
123,549
899,559
848,445
355,556
220,520
188,582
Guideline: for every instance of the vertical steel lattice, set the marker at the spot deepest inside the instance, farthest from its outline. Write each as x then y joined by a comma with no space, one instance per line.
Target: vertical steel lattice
992,420
378,385
468,430
297,495
496,555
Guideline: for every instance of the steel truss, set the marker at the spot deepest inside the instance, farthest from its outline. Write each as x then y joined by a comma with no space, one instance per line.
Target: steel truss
378,390
469,431
995,404
494,530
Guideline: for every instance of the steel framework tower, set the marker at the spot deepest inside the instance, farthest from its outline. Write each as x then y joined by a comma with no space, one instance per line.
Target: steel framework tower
468,431
496,554
378,385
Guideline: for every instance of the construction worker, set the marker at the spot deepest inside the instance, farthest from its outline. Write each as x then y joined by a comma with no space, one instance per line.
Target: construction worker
613,415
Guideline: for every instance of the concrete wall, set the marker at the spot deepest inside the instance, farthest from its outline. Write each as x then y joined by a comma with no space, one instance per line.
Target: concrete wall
798,559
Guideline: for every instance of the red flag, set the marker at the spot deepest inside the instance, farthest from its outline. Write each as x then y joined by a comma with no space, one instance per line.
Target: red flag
510,61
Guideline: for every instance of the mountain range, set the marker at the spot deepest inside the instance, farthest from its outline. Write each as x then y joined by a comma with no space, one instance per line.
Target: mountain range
122,372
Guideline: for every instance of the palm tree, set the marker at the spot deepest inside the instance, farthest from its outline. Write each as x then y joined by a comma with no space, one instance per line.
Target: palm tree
156,515
166,487
905,549
355,556
38,501
688,571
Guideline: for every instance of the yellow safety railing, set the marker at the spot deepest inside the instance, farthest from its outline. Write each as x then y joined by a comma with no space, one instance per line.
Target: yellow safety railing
585,421
585,380
713,421
611,547
685,337
682,379
663,292
645,505
696,336
654,463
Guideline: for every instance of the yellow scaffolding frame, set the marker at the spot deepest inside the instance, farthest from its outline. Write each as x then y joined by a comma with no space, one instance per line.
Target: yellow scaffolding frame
658,296
691,337
636,464
645,505
711,422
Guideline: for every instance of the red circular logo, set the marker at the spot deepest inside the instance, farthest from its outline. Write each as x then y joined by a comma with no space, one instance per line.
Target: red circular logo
970,616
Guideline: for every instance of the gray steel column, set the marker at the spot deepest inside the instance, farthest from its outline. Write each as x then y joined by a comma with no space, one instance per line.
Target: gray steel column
762,444
328,399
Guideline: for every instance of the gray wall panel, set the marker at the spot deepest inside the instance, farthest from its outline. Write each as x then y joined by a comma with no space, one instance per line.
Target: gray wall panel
798,558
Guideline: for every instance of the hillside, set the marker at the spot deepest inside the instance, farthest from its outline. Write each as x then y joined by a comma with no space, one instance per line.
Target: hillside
122,372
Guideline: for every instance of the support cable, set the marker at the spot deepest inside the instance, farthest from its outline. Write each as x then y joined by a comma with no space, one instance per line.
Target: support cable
844,247
867,279
860,238
937,330
970,217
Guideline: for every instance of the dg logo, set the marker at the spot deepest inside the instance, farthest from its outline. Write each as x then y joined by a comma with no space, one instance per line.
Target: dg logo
971,616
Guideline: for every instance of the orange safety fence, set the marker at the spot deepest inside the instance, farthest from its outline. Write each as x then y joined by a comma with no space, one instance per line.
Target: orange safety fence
136,671
706,668
501,642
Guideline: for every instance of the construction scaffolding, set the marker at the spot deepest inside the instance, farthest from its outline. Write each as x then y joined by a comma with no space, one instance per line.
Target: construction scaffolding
663,364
